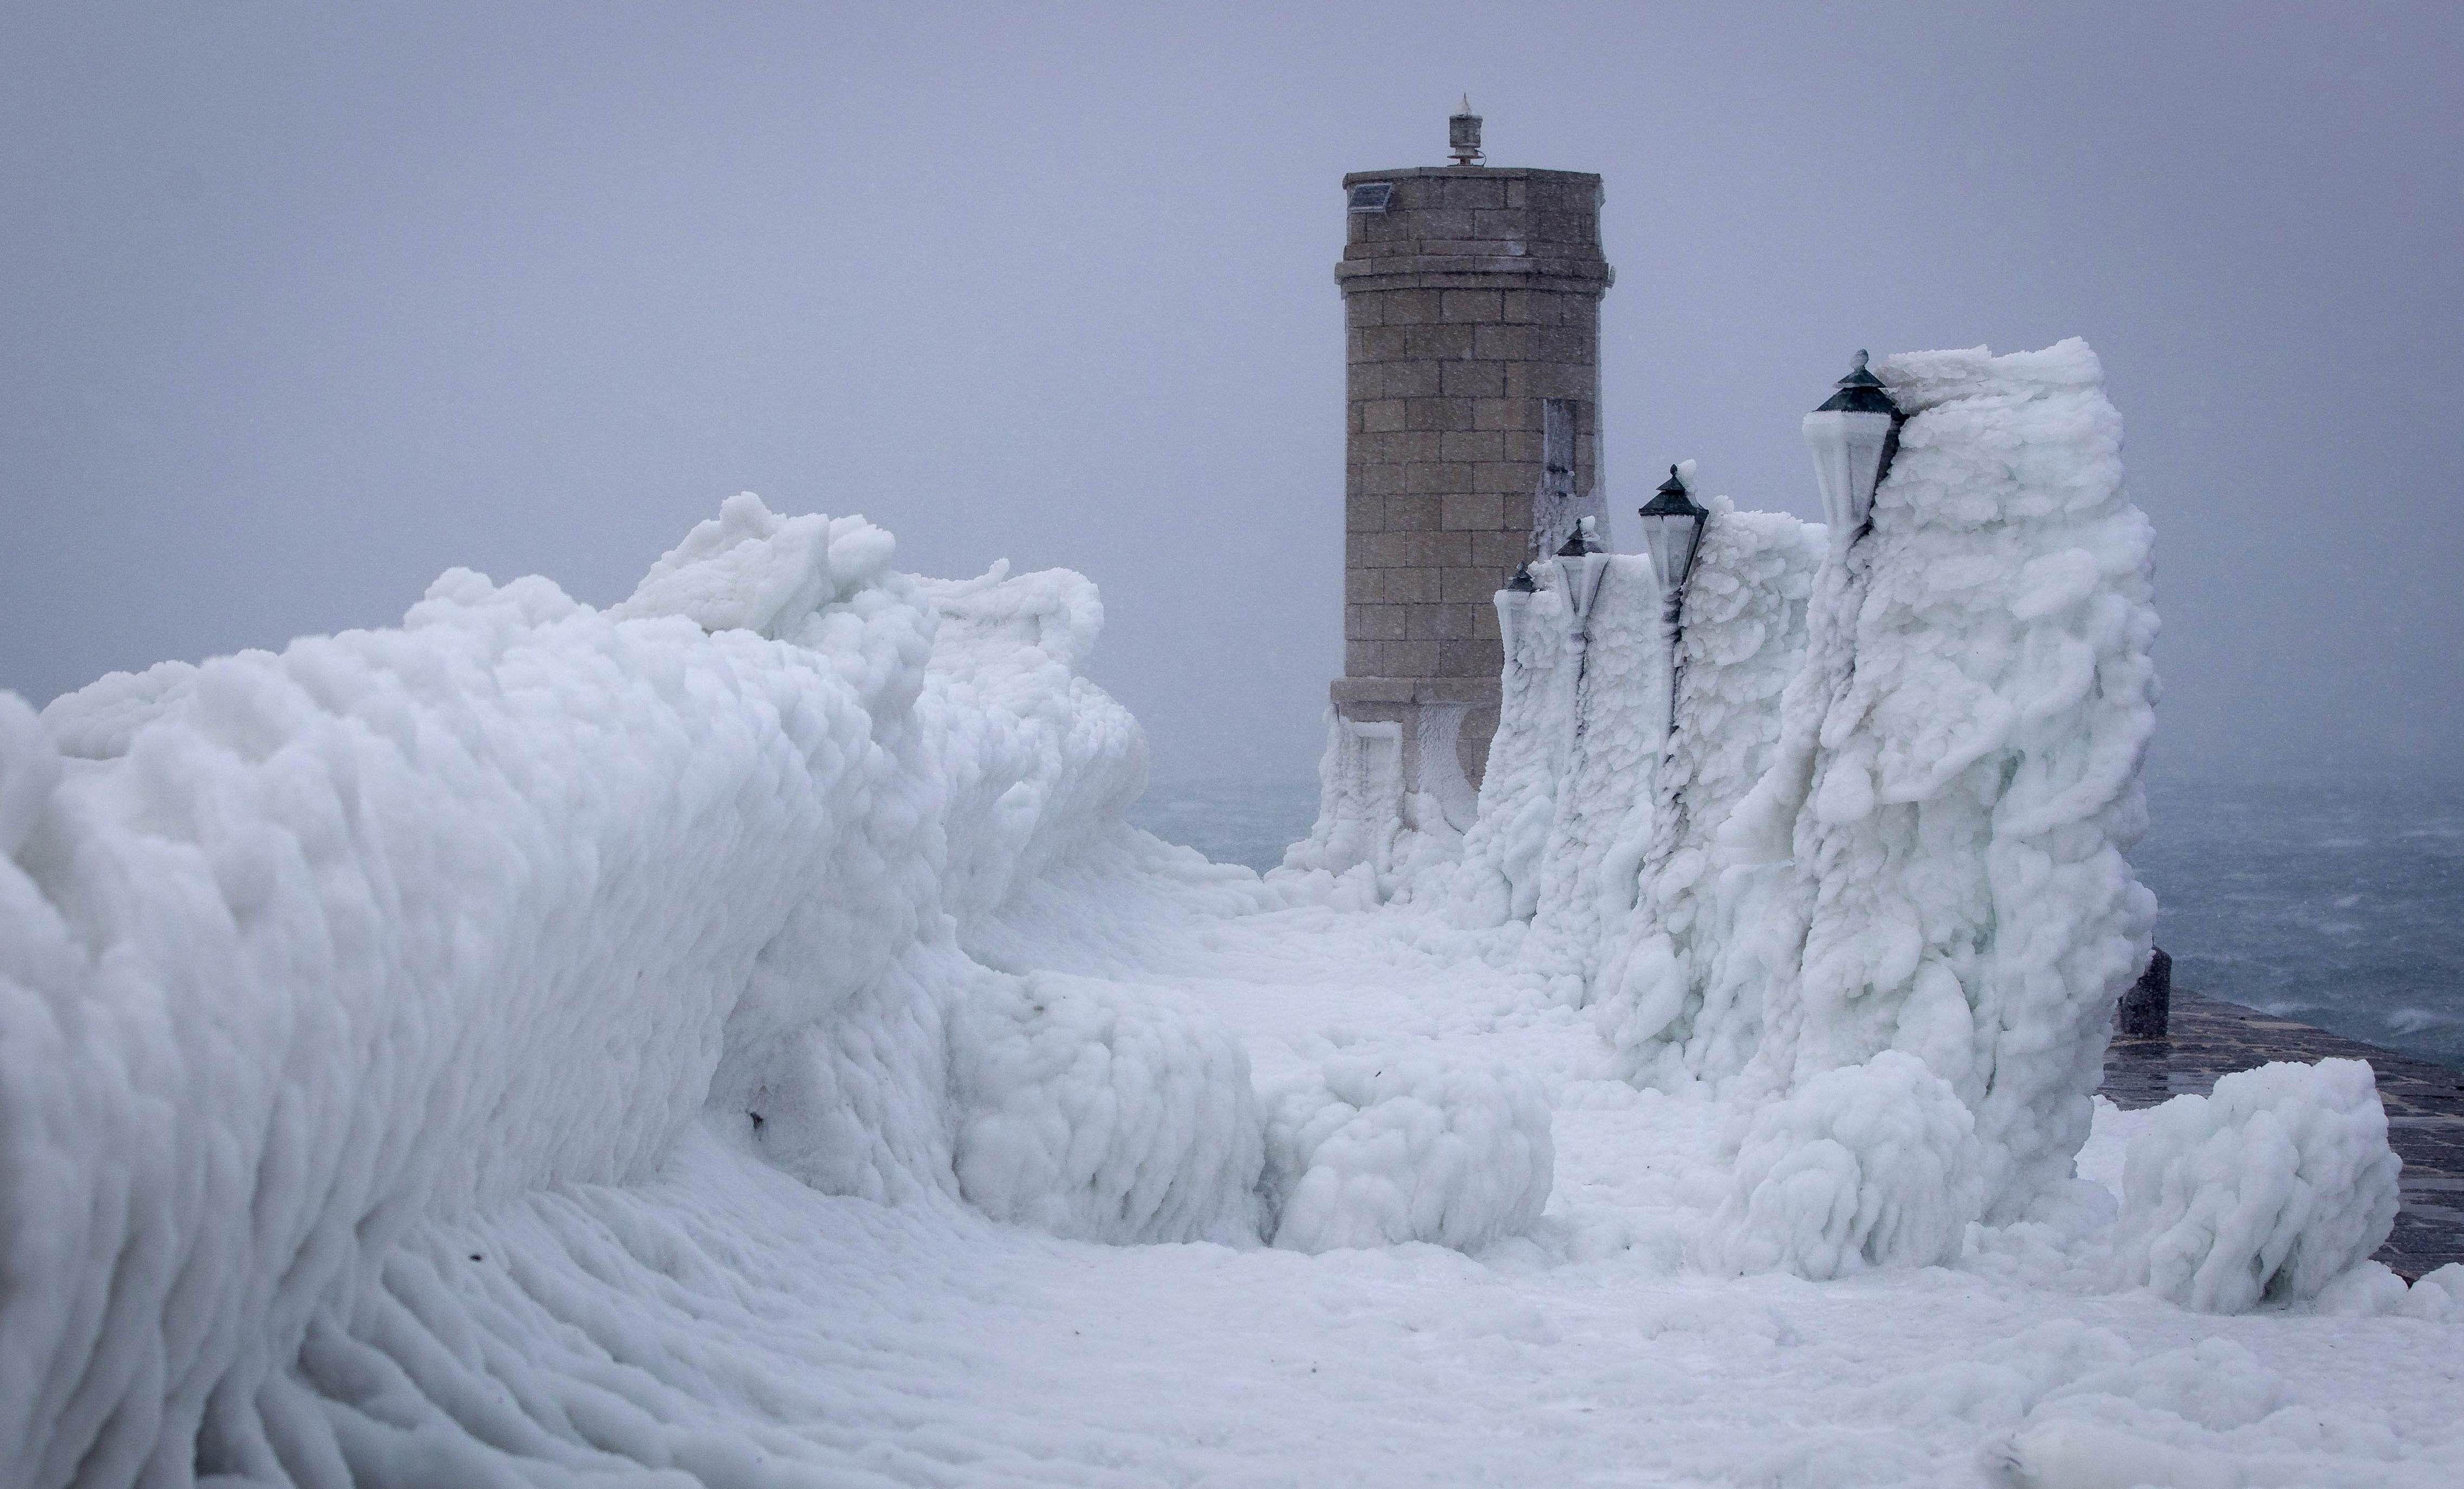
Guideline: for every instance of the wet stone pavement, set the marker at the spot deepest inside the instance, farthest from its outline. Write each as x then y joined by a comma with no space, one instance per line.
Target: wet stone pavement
2425,1106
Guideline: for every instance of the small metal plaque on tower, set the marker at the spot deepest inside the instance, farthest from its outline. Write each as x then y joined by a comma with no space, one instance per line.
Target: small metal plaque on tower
1371,196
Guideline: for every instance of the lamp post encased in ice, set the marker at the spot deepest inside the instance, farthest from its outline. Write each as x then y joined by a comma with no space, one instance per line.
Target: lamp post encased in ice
1582,564
1672,529
1852,438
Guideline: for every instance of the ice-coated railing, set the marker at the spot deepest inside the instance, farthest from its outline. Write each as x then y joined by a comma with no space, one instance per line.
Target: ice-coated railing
1893,811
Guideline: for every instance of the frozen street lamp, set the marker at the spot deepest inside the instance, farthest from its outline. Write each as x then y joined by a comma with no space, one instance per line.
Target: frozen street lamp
1851,438
1672,528
1511,603
1582,565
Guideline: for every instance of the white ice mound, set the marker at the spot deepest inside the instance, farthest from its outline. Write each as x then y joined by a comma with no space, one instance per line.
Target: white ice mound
1105,1112
307,958
2066,1453
1500,878
2264,1192
2213,1416
1378,1149
1868,1166
751,569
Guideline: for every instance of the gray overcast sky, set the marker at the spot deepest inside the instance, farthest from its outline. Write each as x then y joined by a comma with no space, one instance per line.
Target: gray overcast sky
300,304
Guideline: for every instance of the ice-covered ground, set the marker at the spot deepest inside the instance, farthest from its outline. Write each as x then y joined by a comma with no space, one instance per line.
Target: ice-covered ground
732,1039
1598,1350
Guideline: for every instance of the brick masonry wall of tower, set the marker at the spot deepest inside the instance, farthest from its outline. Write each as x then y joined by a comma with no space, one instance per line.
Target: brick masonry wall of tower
1471,299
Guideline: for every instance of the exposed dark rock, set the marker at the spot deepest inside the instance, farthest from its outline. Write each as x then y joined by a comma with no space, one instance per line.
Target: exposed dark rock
2146,1008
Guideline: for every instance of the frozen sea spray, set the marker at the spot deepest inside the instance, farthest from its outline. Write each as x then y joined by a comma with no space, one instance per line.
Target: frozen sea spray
309,957
1499,876
1683,971
1871,1165
1353,845
1105,1112
1601,808
1958,774
2266,1190
1378,1149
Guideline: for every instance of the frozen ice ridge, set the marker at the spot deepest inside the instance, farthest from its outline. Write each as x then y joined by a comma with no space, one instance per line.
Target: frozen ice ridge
346,988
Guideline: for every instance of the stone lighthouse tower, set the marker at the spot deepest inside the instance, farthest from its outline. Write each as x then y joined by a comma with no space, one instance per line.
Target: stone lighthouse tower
1471,301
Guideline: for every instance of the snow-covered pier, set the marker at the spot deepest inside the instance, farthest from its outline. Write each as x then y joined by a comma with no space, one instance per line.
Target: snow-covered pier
733,1038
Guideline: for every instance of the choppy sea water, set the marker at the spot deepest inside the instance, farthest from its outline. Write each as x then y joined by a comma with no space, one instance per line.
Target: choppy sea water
1248,822
2336,901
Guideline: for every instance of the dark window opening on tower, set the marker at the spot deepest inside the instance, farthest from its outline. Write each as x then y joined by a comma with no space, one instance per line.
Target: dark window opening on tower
1558,417
1371,196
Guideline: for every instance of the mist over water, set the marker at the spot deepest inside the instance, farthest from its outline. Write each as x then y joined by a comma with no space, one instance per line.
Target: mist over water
1231,821
2336,900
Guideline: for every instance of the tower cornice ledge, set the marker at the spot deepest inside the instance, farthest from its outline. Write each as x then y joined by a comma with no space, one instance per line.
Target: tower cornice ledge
1469,272
1473,173
1474,691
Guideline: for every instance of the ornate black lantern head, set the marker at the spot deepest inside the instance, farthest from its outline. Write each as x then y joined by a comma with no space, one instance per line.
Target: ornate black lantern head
1861,391
1673,499
1520,583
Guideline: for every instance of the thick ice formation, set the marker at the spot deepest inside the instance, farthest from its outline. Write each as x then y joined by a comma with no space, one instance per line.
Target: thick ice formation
1920,848
306,952
1893,814
2268,1189
1595,821
1498,878
751,569
1360,811
1683,971
1105,1112
1376,1149
1958,773
1871,1165
1037,759
1601,805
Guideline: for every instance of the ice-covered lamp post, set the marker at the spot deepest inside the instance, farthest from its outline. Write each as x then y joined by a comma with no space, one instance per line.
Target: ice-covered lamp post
1853,436
1672,528
1581,564
1511,601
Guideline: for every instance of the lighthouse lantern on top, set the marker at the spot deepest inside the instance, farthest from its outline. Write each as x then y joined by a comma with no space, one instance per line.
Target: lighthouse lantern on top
1463,135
